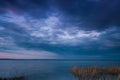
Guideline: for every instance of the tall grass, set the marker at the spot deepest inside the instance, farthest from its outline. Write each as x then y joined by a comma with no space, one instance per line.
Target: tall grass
96,73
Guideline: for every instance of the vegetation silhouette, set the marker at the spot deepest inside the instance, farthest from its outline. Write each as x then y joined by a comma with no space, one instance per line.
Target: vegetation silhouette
96,73
14,78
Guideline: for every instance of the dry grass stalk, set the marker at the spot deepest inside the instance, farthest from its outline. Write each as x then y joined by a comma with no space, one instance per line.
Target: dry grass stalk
95,72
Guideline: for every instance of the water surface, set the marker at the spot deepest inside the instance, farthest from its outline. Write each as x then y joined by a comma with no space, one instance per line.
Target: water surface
46,69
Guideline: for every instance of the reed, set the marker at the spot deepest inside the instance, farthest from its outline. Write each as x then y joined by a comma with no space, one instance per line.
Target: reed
95,73
119,77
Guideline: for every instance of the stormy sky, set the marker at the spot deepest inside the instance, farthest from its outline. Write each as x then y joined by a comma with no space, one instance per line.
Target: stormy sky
60,29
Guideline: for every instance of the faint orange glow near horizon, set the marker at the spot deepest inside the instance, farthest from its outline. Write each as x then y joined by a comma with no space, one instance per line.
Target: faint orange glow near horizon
13,56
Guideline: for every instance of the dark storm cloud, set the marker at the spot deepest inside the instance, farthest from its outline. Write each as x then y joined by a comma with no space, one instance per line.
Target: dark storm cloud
93,14
25,4
85,14
36,8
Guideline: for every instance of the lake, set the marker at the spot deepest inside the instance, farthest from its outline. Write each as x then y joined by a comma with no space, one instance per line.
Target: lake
47,69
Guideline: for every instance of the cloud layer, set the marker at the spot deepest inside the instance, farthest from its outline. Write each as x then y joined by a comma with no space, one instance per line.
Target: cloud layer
58,28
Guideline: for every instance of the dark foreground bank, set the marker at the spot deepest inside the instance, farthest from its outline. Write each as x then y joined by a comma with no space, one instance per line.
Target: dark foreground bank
14,78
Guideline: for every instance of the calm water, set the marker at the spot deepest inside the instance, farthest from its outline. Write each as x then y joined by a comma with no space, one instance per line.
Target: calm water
46,69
